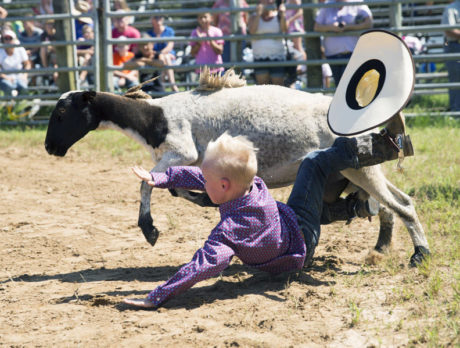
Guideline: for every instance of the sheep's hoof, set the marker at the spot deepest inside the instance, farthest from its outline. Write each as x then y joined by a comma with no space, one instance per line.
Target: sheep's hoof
420,254
374,257
150,232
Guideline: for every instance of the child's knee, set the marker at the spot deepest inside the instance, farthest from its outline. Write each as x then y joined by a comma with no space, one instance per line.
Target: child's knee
340,142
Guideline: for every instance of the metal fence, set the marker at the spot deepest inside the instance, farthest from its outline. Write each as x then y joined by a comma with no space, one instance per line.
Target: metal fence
404,17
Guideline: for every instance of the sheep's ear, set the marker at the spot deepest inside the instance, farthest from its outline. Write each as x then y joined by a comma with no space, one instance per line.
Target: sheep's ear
88,96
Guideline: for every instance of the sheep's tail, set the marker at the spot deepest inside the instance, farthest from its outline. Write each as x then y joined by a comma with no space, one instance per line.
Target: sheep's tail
213,82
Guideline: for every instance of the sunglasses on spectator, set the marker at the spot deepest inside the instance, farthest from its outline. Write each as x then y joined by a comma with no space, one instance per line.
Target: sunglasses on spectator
7,38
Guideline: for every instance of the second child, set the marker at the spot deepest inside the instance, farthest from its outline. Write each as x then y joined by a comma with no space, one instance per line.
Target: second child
122,55
207,52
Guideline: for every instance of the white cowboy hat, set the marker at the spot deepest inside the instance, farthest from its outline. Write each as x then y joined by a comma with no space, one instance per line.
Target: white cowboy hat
377,83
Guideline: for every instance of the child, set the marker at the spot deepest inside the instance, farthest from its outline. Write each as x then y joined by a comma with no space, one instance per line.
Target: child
13,58
294,22
165,49
207,52
261,232
85,53
48,53
122,55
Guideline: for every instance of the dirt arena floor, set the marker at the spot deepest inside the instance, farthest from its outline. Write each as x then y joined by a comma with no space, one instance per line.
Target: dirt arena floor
71,251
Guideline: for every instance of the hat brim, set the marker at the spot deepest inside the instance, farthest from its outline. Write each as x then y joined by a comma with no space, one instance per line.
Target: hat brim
386,53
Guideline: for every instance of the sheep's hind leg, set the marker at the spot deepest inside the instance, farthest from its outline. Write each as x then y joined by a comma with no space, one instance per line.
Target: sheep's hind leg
387,221
373,181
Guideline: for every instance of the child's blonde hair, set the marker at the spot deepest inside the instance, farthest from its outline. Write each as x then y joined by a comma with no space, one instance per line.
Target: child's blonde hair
234,157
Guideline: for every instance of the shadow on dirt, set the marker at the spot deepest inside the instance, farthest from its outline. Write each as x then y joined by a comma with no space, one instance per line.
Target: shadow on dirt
237,280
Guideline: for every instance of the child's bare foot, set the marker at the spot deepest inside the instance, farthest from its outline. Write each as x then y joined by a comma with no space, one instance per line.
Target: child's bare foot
139,302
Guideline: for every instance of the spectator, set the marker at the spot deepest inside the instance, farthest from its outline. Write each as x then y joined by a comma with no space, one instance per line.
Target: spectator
15,26
165,49
340,20
122,55
85,54
8,26
122,28
268,21
48,53
13,58
82,7
123,5
207,52
294,23
30,35
147,57
224,23
451,16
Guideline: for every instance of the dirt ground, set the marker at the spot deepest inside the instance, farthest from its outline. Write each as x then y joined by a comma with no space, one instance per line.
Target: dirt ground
71,251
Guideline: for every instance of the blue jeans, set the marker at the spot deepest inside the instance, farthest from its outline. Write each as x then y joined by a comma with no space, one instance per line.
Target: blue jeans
306,198
7,86
226,52
453,68
128,83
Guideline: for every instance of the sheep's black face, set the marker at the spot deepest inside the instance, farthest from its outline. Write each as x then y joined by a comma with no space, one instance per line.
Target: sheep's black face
70,121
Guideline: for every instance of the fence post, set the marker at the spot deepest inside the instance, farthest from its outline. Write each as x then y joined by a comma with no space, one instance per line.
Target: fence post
313,49
396,15
64,54
234,45
106,57
97,44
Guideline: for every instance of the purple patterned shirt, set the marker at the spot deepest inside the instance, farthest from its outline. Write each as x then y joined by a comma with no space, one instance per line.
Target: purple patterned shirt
261,232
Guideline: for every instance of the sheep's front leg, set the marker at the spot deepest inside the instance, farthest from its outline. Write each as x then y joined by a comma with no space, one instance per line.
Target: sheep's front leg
178,150
145,221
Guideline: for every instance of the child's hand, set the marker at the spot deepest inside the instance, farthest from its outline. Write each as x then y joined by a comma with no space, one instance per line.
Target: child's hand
144,175
139,302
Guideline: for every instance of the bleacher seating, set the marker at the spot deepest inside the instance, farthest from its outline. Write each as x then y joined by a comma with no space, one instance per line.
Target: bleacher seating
413,15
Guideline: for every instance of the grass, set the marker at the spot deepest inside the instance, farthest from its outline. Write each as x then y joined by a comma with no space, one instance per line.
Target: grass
430,294
432,178
355,314
421,103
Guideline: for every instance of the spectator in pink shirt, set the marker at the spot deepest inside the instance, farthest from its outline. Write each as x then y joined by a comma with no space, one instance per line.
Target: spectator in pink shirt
207,52
224,22
122,28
